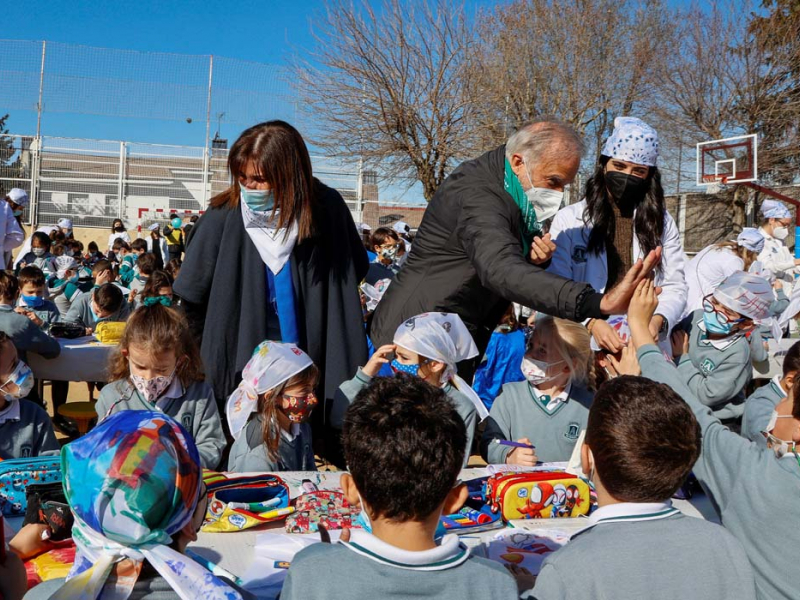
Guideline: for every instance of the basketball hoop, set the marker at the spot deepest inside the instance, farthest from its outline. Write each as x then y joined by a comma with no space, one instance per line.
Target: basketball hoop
714,183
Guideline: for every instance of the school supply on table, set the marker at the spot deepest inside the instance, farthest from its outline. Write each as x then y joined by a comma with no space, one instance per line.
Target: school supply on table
235,502
17,474
109,332
539,495
68,331
326,508
526,549
512,444
214,568
471,519
47,505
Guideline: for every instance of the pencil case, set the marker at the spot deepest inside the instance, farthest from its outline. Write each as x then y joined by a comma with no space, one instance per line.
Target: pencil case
330,509
472,518
17,474
537,495
238,502
109,332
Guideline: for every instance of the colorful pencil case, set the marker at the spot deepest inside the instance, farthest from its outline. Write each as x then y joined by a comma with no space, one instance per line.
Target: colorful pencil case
471,518
326,508
17,474
236,502
537,495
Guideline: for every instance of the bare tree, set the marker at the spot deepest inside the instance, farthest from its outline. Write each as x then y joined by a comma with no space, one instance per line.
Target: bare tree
585,62
388,84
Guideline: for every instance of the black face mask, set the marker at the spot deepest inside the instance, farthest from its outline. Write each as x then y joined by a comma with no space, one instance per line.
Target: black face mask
627,190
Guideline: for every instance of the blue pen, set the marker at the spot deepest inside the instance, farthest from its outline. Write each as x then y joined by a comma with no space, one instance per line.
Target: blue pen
215,569
514,444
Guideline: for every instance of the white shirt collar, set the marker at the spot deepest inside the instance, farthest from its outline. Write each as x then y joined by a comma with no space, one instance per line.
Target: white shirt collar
274,245
10,412
555,401
720,344
294,431
776,381
630,511
450,552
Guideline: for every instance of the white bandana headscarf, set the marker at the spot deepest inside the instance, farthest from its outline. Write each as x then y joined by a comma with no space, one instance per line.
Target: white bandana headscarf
751,239
18,196
442,337
63,264
274,245
632,140
271,365
775,209
750,296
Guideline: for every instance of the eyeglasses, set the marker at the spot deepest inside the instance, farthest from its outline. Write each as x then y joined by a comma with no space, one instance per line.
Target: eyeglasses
723,318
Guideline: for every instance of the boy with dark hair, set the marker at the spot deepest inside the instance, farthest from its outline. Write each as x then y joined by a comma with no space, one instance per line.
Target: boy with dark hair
32,303
27,337
754,490
105,303
404,443
641,443
138,247
40,255
759,405
145,265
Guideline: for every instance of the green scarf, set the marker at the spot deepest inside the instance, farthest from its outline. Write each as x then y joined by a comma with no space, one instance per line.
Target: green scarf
530,225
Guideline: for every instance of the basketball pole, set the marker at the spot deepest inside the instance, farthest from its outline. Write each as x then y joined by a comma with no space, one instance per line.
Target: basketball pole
782,198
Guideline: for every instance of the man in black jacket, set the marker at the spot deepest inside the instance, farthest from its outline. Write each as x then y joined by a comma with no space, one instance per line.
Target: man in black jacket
480,245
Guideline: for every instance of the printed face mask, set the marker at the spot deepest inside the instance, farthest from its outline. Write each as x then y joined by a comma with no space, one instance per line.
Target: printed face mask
389,253
535,371
22,378
398,367
152,389
298,408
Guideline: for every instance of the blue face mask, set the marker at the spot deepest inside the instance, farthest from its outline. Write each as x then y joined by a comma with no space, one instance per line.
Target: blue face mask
17,213
401,368
33,301
258,200
713,325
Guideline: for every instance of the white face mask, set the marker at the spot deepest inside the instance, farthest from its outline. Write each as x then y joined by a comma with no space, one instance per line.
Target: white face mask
780,233
545,201
779,446
535,371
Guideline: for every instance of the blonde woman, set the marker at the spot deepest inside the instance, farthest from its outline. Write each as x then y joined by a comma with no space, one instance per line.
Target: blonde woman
546,413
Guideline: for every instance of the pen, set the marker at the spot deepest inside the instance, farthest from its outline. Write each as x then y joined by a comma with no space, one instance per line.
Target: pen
255,506
513,444
215,569
278,512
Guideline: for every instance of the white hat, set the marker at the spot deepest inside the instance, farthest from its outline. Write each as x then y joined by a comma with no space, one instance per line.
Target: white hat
363,227
750,296
271,365
65,223
18,196
63,264
401,227
775,209
153,227
751,239
633,140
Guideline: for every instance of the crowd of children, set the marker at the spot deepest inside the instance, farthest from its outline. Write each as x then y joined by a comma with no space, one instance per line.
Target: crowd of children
658,417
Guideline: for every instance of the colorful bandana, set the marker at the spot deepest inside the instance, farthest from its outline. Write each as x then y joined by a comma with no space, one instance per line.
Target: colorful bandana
132,483
271,365
633,140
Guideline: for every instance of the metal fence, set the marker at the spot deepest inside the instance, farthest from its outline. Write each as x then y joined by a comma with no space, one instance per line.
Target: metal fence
93,182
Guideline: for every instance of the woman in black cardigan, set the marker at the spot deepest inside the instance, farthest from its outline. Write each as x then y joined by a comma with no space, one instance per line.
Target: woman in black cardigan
277,256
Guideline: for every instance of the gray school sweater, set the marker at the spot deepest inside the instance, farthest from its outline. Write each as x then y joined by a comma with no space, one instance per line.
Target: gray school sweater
249,454
664,558
517,413
754,492
463,405
758,409
26,336
716,376
31,435
355,572
47,312
81,312
196,410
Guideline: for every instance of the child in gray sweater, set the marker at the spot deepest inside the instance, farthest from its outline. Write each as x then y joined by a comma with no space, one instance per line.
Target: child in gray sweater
158,367
641,443
549,410
754,490
759,405
32,302
24,333
715,360
404,444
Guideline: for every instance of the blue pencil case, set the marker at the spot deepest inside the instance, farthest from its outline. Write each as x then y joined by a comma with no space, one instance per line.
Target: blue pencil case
17,474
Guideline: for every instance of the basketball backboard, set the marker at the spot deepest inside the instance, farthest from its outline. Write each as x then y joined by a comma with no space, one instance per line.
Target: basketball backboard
727,161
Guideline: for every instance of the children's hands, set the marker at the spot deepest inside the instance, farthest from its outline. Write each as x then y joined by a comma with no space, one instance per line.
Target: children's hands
32,540
617,299
643,304
89,331
606,337
680,343
380,358
525,457
524,578
628,364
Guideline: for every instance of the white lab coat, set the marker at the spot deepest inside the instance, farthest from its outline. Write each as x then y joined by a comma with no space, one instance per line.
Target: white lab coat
571,259
706,271
111,238
777,258
10,232
162,244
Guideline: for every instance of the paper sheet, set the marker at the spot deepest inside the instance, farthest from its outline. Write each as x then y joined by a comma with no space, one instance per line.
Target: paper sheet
526,549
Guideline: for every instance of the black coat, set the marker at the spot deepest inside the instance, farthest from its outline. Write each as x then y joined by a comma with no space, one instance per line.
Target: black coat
223,286
467,258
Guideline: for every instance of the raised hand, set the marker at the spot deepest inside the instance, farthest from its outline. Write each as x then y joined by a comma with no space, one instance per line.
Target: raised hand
616,300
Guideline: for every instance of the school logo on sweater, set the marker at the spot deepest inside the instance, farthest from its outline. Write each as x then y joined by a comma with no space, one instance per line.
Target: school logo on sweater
25,451
573,431
186,421
707,366
579,254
